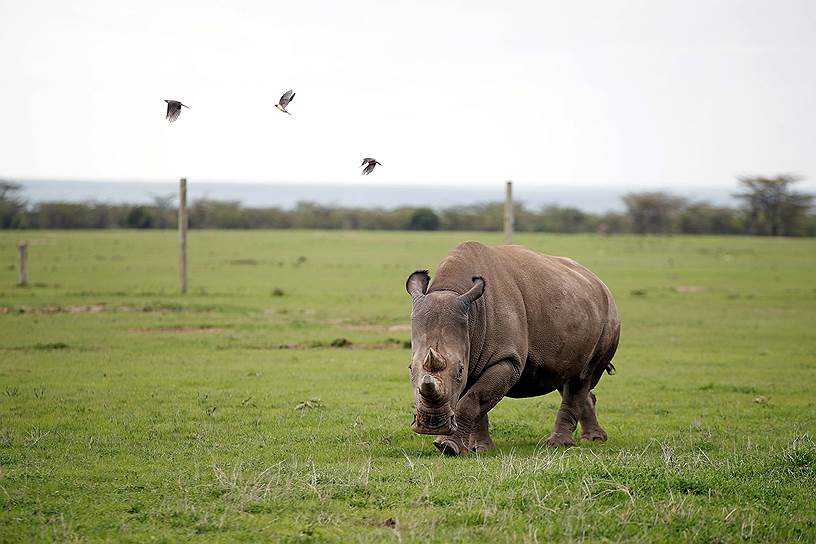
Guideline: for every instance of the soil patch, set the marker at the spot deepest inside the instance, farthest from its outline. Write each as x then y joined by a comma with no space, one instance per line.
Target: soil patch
178,330
402,327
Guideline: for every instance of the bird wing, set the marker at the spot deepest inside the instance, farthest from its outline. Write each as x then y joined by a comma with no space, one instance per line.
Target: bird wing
368,169
173,110
286,98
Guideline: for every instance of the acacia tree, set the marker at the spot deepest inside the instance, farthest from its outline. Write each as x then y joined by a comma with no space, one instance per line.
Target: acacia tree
424,219
772,207
12,205
654,212
164,210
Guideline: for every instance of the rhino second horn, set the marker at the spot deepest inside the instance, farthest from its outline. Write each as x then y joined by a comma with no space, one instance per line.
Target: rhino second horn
433,361
429,389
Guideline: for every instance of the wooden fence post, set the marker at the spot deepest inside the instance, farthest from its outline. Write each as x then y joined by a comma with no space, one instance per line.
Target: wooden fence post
22,246
182,227
508,213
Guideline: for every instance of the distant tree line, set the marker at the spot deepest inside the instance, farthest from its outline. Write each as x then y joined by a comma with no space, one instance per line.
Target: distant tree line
768,206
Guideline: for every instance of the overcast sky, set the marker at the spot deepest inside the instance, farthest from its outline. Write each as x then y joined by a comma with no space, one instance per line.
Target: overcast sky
645,93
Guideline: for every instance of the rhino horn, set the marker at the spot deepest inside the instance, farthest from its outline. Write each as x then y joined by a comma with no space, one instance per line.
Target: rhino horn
433,361
429,388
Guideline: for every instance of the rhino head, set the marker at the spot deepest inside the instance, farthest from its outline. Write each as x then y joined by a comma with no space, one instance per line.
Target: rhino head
440,351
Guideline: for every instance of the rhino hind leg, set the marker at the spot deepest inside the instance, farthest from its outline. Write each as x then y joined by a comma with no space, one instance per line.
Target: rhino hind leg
590,428
574,395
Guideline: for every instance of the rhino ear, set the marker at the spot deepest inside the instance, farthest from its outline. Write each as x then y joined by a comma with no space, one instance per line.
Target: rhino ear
475,292
417,284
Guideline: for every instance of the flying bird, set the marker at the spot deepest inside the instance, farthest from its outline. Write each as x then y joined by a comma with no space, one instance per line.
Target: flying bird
174,109
369,165
284,101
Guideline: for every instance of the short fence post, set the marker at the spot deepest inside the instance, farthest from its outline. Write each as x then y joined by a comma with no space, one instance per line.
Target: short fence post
182,227
508,213
22,246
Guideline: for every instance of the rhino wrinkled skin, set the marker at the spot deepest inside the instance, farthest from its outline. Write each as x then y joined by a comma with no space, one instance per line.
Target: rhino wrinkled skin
507,321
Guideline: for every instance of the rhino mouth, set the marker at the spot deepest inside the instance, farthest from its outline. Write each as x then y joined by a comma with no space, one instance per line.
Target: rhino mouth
434,420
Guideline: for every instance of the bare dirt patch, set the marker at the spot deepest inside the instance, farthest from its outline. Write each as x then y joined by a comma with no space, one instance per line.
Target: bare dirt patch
402,327
88,309
689,289
178,330
97,308
338,343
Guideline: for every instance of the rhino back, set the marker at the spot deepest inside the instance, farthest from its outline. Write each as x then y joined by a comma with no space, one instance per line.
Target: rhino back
547,314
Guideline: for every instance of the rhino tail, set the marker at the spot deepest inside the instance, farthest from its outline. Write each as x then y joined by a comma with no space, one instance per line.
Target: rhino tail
610,368
601,360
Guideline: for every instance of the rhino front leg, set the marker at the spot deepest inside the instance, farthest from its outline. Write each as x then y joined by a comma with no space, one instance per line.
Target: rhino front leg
480,439
574,395
471,410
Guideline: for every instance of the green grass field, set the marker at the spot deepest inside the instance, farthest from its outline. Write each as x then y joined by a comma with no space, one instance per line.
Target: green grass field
273,403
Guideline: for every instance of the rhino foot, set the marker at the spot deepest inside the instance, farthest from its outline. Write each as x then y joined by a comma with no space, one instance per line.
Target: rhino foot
594,434
560,441
482,444
449,446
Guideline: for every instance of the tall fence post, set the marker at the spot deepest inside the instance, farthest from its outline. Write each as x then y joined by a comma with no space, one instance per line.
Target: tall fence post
22,247
182,227
508,213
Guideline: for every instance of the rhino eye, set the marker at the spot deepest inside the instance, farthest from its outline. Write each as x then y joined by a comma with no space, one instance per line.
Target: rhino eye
459,374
